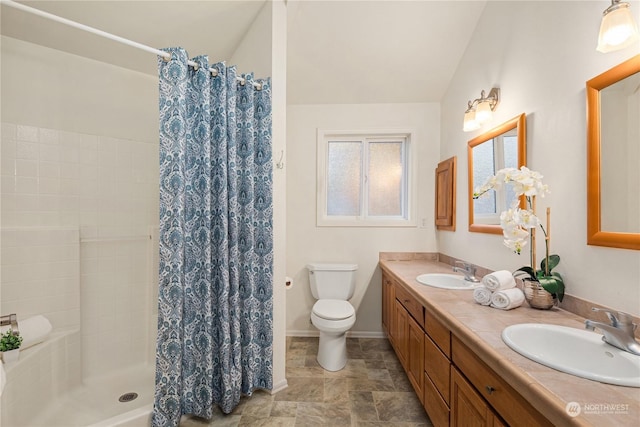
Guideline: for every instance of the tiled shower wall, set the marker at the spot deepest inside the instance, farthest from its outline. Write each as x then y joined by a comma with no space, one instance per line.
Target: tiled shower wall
107,188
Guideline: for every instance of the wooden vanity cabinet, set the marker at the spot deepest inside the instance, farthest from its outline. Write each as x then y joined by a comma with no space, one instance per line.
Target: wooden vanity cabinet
454,385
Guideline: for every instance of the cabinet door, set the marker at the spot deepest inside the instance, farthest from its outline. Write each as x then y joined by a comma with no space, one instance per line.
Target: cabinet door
468,409
388,297
415,357
446,195
401,332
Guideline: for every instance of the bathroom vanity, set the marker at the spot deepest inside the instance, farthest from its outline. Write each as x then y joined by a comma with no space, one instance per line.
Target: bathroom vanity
453,354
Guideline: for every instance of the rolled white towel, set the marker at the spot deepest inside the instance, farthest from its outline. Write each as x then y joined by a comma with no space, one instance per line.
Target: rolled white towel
507,299
499,280
482,295
33,330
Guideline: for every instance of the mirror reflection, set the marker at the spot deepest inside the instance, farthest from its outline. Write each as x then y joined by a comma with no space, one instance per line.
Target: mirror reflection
501,147
619,137
613,151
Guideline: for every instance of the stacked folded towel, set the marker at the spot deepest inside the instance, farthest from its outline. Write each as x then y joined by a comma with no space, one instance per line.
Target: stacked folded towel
499,280
499,290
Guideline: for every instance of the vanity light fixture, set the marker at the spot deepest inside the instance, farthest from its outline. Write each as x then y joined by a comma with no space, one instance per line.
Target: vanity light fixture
618,28
480,111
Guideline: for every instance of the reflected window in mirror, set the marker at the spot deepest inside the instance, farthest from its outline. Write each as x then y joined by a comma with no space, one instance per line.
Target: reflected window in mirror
488,158
613,151
499,148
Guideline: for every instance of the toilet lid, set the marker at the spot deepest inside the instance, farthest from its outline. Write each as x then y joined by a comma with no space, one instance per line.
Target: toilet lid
333,309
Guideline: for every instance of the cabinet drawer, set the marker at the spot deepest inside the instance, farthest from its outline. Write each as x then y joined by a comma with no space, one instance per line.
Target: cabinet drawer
438,333
437,367
437,409
501,396
411,304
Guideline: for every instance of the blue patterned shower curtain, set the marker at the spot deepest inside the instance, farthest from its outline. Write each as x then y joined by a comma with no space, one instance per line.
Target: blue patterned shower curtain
216,245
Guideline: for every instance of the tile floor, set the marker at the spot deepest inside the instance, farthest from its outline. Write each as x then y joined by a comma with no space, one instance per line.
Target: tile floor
372,390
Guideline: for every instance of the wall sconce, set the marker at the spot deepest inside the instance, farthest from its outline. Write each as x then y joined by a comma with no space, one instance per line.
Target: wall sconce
480,111
618,28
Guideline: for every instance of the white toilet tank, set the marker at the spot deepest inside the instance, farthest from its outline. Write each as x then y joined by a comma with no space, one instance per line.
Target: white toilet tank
332,281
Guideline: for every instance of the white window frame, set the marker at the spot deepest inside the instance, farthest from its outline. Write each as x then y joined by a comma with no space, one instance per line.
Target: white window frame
409,196
500,194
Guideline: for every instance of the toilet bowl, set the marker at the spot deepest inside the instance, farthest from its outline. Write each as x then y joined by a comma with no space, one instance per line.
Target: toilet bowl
333,318
332,285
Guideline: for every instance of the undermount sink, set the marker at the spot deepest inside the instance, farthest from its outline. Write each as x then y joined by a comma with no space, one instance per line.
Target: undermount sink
445,281
574,351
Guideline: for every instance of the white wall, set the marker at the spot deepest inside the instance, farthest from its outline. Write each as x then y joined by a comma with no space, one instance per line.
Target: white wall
308,243
52,89
541,54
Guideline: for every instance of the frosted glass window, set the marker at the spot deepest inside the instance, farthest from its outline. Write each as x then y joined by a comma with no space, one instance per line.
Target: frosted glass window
483,168
488,158
385,178
510,161
343,178
363,179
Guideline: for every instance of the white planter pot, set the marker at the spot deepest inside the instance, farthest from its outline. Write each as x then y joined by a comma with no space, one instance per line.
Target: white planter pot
11,356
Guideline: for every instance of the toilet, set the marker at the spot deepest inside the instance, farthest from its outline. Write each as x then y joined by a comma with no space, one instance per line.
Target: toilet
332,285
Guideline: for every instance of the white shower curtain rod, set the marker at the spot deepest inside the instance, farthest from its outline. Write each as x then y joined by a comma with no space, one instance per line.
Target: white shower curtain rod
65,21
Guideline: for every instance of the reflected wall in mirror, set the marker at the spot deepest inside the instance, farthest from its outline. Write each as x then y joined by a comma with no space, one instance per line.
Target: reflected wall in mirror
613,156
502,147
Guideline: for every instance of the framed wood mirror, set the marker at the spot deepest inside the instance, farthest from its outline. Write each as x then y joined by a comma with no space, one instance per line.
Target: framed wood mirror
613,151
501,147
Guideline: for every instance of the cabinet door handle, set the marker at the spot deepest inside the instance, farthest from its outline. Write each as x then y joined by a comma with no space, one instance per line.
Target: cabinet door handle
490,389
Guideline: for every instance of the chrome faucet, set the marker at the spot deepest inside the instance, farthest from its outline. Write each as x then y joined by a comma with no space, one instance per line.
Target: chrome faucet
468,270
619,333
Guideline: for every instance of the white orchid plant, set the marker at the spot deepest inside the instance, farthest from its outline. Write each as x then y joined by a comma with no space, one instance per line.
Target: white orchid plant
519,224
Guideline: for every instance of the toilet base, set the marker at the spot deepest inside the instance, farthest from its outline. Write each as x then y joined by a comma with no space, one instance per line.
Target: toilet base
332,351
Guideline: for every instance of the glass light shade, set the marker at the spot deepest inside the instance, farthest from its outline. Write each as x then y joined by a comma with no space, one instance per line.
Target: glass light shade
470,122
483,112
617,30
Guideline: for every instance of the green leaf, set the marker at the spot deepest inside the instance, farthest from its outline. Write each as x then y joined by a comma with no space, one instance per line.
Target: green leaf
560,281
529,271
554,260
553,284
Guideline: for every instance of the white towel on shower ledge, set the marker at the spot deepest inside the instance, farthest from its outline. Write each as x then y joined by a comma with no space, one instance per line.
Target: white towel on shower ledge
499,280
33,330
507,299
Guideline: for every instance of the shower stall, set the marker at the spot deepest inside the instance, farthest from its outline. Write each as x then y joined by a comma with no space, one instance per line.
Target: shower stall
79,220
94,281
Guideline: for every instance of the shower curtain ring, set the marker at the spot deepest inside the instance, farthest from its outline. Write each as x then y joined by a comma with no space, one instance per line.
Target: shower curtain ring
167,57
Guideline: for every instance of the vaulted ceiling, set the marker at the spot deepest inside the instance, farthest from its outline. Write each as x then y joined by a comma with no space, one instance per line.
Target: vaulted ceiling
338,51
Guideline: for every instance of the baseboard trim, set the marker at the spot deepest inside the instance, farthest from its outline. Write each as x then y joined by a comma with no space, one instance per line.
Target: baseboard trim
350,334
279,386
